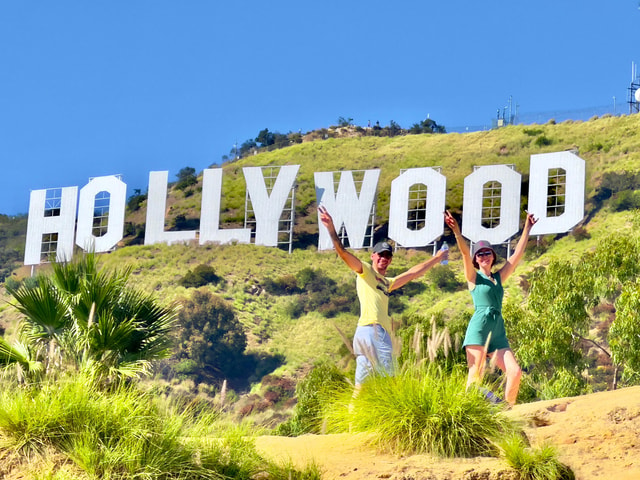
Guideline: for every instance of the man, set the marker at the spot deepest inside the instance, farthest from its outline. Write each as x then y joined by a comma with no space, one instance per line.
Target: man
372,340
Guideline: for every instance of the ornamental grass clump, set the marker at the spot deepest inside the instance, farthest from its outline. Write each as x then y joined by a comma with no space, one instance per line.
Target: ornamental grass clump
422,409
123,433
533,463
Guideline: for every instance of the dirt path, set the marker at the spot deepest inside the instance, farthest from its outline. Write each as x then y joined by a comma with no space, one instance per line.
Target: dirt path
597,435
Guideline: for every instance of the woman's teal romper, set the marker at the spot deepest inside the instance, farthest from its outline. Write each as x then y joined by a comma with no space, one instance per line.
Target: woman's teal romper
487,299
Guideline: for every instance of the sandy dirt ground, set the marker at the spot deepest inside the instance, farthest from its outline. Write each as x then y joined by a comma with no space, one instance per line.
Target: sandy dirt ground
597,436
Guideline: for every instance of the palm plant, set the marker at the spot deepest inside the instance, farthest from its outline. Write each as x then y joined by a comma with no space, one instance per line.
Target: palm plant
86,318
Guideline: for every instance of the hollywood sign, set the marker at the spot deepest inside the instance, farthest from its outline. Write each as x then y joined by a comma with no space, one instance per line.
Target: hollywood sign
74,216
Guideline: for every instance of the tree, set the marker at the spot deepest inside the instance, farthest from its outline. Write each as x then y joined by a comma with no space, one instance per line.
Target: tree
135,201
427,126
280,140
246,147
554,329
211,336
85,318
186,178
394,129
265,138
624,335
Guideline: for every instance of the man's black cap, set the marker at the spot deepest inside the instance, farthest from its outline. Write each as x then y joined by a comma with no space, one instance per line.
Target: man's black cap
382,247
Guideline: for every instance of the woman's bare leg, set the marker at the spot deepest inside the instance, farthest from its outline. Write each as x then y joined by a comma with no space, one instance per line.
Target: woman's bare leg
506,361
476,359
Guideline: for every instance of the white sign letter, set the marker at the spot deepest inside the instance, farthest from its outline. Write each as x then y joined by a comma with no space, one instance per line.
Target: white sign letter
117,191
346,207
509,180
436,184
210,212
574,168
156,205
268,207
62,224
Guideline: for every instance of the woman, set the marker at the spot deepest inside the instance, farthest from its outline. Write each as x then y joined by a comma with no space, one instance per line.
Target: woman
486,335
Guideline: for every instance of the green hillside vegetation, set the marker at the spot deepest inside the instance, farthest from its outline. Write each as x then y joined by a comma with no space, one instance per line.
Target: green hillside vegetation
12,235
607,144
295,308
230,337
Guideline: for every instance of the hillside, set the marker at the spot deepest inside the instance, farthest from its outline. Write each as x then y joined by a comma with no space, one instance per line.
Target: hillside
290,344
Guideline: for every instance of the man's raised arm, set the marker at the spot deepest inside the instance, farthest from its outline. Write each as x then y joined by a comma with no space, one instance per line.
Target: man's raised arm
350,259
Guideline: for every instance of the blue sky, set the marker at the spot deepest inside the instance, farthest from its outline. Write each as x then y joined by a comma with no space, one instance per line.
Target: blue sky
90,88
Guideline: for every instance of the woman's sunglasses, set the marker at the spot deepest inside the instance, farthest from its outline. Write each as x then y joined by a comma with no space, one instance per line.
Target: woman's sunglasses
484,253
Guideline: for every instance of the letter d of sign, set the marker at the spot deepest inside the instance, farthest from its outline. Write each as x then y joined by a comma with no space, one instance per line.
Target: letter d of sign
570,169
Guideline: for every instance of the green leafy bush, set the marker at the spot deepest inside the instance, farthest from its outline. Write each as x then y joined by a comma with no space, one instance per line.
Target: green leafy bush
285,285
532,132
580,233
200,276
564,383
626,200
619,181
11,283
135,201
316,293
313,394
444,278
543,141
210,335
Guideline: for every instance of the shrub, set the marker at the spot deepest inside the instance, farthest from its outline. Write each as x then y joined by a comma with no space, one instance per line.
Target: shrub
211,336
532,132
319,293
135,201
134,230
185,368
580,233
200,276
277,390
542,141
312,394
422,409
564,383
294,309
11,283
285,285
619,181
625,200
444,278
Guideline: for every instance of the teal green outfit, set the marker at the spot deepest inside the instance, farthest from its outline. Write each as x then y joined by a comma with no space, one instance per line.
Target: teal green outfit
487,299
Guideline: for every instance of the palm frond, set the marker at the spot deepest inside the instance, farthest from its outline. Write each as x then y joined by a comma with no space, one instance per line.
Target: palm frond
20,356
46,312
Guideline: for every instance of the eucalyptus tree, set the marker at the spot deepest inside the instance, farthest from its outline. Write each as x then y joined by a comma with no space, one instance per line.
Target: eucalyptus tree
82,317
